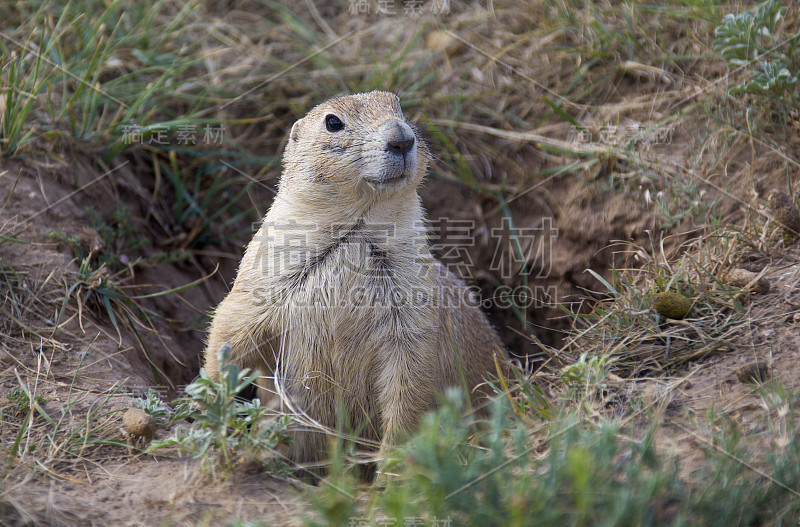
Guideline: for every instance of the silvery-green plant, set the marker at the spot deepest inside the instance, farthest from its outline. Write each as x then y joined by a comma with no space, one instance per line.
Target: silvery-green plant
586,374
226,429
749,40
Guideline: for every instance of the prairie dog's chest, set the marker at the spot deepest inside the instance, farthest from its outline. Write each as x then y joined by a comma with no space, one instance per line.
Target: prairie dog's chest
303,263
357,272
343,279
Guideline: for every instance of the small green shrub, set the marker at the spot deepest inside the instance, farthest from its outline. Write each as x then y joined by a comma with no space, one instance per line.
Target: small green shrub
772,59
455,472
120,236
73,242
596,474
161,412
20,402
226,431
586,374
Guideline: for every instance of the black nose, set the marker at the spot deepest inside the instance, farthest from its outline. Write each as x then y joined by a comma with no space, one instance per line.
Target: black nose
400,145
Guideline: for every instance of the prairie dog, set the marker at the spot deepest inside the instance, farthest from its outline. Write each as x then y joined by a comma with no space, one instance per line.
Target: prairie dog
338,300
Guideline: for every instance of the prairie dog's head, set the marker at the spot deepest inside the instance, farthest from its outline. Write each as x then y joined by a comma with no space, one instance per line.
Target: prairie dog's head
354,147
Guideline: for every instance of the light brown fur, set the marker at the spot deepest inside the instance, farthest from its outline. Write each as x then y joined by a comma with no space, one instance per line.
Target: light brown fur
338,300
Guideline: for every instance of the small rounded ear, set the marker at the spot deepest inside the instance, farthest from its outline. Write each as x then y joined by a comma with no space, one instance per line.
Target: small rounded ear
294,137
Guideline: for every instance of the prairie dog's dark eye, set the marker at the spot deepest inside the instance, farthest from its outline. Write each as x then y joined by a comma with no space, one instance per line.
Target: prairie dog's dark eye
333,123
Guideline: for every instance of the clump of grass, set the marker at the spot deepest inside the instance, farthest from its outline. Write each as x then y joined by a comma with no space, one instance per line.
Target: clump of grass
82,427
23,75
627,333
227,432
101,291
129,81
